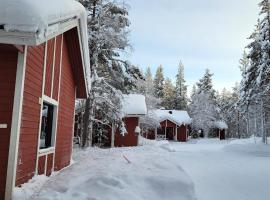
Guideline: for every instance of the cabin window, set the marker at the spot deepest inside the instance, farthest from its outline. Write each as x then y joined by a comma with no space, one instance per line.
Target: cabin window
47,126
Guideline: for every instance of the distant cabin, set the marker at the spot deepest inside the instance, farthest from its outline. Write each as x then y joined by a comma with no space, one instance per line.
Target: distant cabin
43,61
173,125
220,129
134,107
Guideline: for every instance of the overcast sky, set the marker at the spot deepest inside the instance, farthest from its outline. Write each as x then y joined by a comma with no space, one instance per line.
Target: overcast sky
202,33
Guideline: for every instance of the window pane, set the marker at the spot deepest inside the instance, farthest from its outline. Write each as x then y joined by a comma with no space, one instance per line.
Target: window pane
46,126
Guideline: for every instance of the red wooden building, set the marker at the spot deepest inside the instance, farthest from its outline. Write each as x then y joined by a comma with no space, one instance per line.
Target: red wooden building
220,129
134,107
173,125
43,65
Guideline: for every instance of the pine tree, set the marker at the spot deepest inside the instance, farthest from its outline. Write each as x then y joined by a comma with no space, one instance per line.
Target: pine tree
159,82
110,74
193,91
205,84
203,112
255,84
244,63
148,74
180,89
168,91
146,87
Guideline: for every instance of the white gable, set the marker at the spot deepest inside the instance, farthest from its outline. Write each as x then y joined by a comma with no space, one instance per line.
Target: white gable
134,104
177,116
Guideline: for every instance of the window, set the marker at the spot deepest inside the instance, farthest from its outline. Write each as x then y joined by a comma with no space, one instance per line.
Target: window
47,124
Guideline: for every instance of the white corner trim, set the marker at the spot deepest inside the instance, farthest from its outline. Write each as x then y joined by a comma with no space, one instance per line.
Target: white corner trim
15,125
80,35
53,67
41,105
58,97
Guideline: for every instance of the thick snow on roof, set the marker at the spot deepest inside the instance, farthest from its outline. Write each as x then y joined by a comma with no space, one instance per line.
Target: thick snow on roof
36,15
177,116
221,125
42,17
134,104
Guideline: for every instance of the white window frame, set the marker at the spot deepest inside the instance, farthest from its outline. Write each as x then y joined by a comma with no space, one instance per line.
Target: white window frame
54,103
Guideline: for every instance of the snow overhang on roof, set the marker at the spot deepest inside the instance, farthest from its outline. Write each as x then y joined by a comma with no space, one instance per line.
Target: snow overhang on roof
32,22
178,117
134,105
221,125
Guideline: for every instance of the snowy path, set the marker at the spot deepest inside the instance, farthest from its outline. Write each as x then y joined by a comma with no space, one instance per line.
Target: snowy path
207,170
226,172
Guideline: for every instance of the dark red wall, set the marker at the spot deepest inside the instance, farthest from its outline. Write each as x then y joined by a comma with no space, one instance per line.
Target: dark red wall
181,131
26,165
31,109
130,139
182,134
49,67
150,134
222,135
8,67
65,113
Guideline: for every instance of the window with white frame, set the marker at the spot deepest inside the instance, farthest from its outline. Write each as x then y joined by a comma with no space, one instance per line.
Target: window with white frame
47,126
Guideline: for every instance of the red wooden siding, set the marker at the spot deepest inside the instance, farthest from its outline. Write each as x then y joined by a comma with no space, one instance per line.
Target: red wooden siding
73,43
57,67
150,134
8,67
130,139
49,67
181,131
182,134
222,135
49,164
30,114
41,165
65,113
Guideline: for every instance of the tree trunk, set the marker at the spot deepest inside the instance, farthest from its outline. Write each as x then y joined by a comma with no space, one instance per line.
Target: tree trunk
112,135
86,117
89,106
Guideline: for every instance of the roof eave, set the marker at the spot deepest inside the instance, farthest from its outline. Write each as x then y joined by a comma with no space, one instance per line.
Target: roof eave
32,39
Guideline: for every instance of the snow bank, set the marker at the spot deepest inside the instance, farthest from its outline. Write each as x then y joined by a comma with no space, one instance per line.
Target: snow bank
143,141
221,125
105,174
28,190
134,104
177,116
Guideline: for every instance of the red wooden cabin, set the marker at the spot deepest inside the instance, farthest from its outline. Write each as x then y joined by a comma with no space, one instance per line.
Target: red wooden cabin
42,70
220,129
173,125
134,107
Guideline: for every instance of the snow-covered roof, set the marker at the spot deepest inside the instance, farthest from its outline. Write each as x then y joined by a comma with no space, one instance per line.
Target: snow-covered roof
221,125
36,16
134,104
177,116
32,22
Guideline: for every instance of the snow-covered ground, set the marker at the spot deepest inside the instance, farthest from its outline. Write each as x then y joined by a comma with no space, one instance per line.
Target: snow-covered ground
199,169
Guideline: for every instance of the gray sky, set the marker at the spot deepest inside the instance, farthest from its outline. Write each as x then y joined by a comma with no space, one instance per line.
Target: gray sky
202,33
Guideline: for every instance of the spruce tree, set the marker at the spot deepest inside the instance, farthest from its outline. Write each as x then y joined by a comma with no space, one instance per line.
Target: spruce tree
168,91
244,63
159,83
111,75
205,84
180,89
